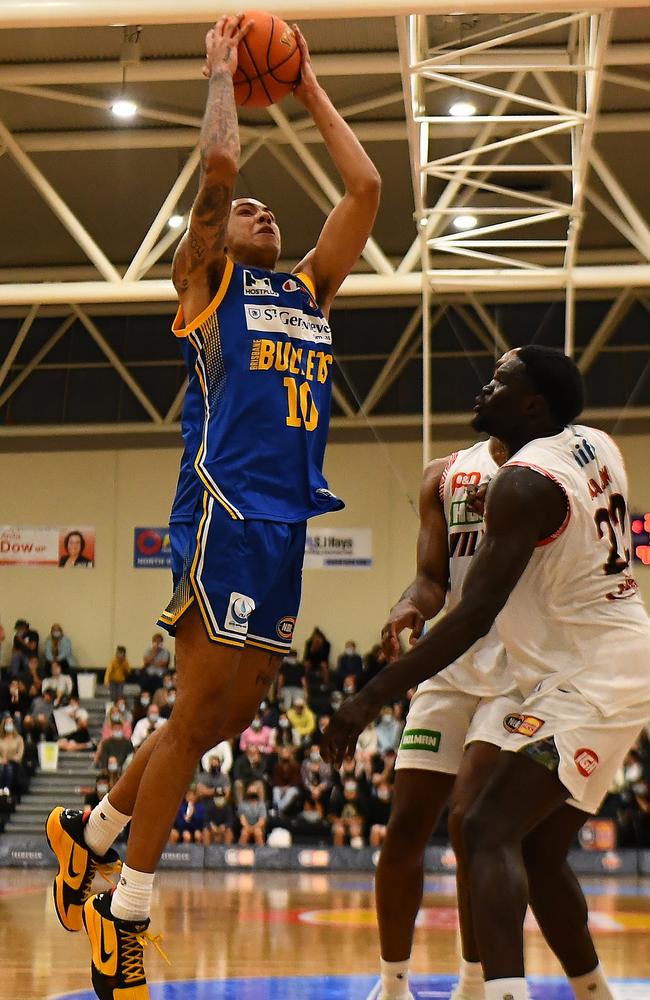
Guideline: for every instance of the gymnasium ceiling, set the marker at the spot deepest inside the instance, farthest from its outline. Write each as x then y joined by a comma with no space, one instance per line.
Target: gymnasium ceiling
56,86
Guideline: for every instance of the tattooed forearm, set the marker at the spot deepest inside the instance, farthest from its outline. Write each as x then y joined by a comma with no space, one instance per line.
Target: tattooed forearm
220,132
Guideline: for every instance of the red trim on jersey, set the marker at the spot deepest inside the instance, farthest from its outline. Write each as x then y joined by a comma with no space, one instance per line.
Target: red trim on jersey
548,475
445,473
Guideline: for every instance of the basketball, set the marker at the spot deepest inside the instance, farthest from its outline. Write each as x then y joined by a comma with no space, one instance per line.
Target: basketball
268,61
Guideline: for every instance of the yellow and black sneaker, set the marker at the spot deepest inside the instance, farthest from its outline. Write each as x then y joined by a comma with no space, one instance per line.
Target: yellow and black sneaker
117,964
78,866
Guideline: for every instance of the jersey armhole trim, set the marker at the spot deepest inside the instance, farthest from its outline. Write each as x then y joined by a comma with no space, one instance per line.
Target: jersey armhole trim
308,282
443,477
548,475
182,331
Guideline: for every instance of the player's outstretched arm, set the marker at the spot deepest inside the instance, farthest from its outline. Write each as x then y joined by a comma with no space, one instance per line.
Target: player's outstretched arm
425,596
350,223
522,508
199,260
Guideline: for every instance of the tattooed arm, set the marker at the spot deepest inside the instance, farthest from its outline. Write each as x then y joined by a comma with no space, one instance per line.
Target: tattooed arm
199,260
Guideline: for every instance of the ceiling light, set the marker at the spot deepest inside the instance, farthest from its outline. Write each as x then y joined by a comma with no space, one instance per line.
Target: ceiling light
465,222
124,109
175,221
462,109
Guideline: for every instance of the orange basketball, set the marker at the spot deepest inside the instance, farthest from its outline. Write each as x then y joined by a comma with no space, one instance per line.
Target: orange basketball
268,61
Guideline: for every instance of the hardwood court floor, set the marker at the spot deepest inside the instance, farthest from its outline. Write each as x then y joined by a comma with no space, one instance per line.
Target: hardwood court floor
218,926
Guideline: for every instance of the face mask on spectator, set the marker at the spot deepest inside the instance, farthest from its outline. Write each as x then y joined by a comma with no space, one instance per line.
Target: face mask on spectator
117,734
383,794
144,699
116,718
102,789
350,786
113,766
314,755
220,800
153,718
348,688
283,723
168,683
387,716
291,659
171,698
9,727
56,634
349,650
256,724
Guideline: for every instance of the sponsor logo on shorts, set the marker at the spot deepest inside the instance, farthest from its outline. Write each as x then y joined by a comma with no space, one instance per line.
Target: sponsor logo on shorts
258,286
285,627
421,739
524,725
586,761
240,608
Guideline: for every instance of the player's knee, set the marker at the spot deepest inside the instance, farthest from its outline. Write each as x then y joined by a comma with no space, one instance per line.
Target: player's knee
404,837
482,829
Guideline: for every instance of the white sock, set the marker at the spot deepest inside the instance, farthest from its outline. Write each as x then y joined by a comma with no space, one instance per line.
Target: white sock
506,989
593,986
104,824
471,985
132,898
395,980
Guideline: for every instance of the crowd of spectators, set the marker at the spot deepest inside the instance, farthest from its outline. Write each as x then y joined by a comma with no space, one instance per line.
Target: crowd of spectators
270,783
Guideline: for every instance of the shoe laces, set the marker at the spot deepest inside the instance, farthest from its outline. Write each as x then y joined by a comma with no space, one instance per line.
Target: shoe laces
105,870
133,945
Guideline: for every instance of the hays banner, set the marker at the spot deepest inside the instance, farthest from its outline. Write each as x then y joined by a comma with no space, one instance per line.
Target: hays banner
151,548
339,548
68,548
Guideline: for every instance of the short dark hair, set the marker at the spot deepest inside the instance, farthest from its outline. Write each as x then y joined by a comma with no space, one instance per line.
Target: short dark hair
557,378
121,649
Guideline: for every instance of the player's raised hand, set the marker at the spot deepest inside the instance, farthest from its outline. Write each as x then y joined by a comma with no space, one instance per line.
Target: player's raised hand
308,84
404,615
221,44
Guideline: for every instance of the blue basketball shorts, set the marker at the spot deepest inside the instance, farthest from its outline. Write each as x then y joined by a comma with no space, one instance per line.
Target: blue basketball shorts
245,576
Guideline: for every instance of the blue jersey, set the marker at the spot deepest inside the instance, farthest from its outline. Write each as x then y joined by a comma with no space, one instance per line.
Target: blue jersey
256,412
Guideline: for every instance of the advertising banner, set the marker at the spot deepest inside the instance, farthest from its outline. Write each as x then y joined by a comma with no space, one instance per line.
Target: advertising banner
338,548
67,548
151,548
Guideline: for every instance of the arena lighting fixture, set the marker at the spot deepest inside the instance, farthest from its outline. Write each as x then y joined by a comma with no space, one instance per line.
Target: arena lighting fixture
462,109
175,221
122,108
465,222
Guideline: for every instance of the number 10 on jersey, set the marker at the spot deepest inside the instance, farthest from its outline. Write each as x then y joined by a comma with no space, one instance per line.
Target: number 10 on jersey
302,408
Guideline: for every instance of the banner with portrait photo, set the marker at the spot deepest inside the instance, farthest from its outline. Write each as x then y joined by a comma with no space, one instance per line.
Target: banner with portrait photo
70,547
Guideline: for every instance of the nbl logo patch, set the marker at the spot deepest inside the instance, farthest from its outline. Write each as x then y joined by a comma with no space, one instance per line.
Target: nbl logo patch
285,627
524,725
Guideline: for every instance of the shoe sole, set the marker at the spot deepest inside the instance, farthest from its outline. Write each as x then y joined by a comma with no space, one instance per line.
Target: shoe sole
54,816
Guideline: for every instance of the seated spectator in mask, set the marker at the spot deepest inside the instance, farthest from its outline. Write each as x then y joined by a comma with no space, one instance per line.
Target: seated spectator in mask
141,707
114,770
60,684
12,749
349,664
219,820
167,707
190,821
59,648
367,748
145,727
14,700
25,644
316,777
124,710
379,813
209,783
291,682
303,721
113,718
41,717
257,735
117,674
252,816
160,696
270,714
116,746
286,782
80,739
388,730
317,655
284,733
223,751
155,664
346,817
249,770
101,789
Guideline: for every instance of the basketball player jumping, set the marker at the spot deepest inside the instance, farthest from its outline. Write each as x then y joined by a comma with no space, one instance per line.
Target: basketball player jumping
258,349
450,747
553,564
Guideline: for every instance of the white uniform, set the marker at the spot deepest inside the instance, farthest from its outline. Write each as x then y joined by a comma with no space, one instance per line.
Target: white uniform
469,699
575,629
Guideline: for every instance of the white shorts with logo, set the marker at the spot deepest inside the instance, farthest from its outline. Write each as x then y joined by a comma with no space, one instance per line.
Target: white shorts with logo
591,746
442,721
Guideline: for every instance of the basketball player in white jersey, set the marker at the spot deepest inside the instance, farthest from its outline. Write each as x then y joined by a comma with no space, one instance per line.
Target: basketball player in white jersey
554,566
451,744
